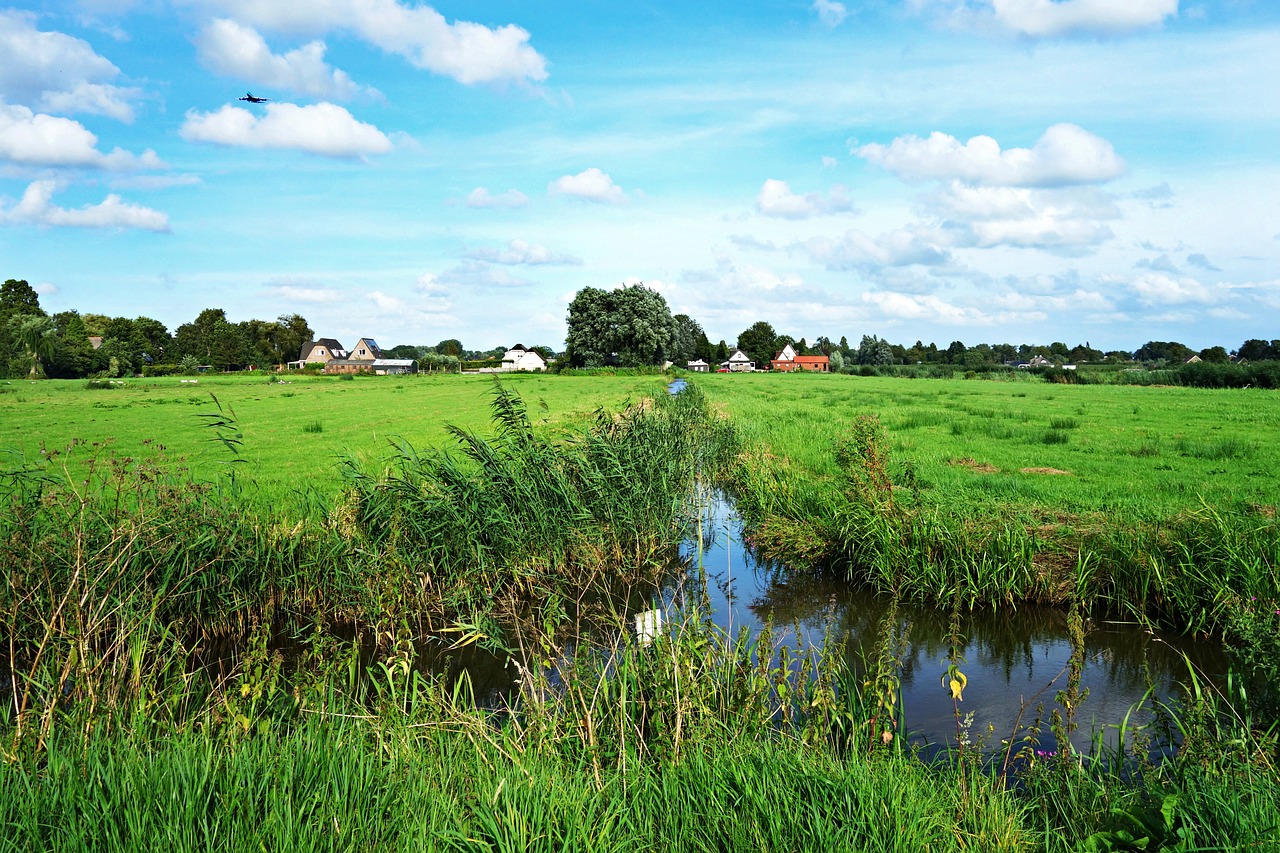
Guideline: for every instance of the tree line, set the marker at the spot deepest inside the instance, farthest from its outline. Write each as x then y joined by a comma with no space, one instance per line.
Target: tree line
630,326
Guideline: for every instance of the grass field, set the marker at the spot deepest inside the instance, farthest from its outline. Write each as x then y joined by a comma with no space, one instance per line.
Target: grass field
1019,446
111,735
291,432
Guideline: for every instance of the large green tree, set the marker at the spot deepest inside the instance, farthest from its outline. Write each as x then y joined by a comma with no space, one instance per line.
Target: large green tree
760,343
630,326
211,340
17,298
690,342
38,336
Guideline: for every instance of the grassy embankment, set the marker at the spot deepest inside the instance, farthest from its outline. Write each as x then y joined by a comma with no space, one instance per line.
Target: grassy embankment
118,586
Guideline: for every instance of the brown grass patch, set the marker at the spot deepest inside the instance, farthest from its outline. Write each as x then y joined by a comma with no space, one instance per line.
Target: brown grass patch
975,466
1045,471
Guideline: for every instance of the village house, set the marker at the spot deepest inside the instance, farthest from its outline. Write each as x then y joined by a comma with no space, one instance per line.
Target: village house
320,351
699,366
520,358
787,360
738,363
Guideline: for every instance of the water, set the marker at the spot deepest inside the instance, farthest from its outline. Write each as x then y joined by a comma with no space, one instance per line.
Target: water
1015,660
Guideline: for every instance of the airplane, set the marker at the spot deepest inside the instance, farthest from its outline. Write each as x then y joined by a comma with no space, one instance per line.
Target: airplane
251,98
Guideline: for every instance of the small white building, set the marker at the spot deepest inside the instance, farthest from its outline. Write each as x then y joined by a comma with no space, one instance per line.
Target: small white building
519,358
738,363
699,366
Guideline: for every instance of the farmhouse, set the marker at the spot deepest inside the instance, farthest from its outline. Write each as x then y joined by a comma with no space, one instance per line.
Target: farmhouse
520,358
699,366
738,363
787,360
320,351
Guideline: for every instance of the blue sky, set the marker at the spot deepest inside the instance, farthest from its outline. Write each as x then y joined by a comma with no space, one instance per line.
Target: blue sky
974,170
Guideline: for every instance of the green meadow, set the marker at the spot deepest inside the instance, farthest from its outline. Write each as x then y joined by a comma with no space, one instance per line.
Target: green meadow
1024,446
197,661
291,430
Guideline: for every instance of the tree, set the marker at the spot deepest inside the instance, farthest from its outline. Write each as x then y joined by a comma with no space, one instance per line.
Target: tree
38,335
212,340
759,342
835,361
955,352
1164,351
18,297
688,340
630,326
1258,350
1214,355
450,346
872,350
73,357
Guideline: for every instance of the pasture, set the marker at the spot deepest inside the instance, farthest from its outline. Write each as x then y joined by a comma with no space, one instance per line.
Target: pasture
292,432
1024,446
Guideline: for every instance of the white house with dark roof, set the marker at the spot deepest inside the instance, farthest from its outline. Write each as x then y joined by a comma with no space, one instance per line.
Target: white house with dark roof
520,358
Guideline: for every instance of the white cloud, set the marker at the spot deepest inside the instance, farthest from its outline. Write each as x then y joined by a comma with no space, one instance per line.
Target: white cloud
916,307
590,184
474,274
468,52
235,50
1065,154
322,128
522,252
58,73
1160,289
776,199
1069,220
858,251
37,139
315,295
1051,18
830,13
1098,17
480,197
37,208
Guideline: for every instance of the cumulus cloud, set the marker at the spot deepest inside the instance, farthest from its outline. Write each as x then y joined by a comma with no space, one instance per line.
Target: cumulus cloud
37,139
1041,18
467,52
1064,155
323,128
55,72
776,199
925,307
522,252
590,184
1068,221
37,208
229,48
830,13
1159,289
859,251
480,197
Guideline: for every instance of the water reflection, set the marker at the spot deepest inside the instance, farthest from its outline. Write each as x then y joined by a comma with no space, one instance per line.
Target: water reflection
1015,659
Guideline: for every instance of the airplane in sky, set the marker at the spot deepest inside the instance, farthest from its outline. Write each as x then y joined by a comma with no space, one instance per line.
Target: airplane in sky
253,99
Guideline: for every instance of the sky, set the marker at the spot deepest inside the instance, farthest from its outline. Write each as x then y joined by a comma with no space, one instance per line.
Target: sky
1020,171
